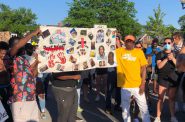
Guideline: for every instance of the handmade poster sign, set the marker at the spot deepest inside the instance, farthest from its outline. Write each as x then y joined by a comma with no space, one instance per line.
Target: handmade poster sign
63,49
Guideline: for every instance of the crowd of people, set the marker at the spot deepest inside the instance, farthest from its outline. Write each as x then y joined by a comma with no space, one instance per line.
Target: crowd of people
21,86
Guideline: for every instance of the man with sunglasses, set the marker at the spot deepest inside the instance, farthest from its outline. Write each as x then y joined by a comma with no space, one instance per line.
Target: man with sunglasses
131,75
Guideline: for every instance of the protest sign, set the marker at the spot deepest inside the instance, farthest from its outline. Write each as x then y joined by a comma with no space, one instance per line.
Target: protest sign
63,49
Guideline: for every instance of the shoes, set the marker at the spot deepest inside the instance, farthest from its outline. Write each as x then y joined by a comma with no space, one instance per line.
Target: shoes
79,109
97,98
43,115
174,119
79,119
157,119
108,111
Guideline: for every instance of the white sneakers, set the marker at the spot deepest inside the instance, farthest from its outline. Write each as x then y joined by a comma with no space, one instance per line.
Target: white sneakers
173,119
157,119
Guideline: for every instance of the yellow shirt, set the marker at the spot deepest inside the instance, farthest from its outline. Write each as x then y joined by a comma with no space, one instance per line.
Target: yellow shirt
129,64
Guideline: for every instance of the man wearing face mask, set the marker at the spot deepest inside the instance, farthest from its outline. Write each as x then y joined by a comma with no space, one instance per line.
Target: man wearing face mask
167,78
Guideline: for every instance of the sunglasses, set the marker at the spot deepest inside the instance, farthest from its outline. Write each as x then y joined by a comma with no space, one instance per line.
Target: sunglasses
129,40
167,43
139,47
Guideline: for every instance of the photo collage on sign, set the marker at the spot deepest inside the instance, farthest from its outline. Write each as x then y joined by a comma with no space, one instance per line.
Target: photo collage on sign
105,47
74,49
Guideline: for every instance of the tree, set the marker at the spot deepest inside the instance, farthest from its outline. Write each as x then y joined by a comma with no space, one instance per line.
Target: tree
181,22
17,21
118,14
169,30
155,26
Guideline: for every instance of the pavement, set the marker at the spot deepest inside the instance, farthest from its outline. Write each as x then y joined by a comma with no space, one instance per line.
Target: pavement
94,111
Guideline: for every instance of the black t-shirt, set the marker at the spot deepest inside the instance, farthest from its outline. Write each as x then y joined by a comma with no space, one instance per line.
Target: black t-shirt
64,83
167,68
4,78
101,71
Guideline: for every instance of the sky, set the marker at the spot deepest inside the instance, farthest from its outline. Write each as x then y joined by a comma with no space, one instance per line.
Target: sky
50,12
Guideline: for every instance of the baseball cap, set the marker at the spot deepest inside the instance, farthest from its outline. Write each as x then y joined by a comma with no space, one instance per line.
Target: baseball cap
130,37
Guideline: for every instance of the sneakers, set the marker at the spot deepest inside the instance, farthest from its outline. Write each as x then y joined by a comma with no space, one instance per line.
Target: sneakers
79,119
43,115
79,109
108,111
174,119
97,98
157,119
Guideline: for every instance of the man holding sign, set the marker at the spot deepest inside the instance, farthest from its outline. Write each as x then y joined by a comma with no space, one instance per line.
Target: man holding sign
22,101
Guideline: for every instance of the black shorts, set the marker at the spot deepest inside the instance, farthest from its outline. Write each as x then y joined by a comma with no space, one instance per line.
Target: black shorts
167,84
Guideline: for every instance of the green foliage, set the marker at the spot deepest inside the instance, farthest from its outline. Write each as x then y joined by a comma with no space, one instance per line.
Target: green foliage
181,22
118,14
155,26
17,21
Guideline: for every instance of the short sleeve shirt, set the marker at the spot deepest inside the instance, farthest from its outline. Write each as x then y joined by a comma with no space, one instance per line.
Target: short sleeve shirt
22,81
168,67
129,63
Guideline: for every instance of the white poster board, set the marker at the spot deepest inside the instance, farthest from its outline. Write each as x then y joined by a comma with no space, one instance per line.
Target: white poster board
73,49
